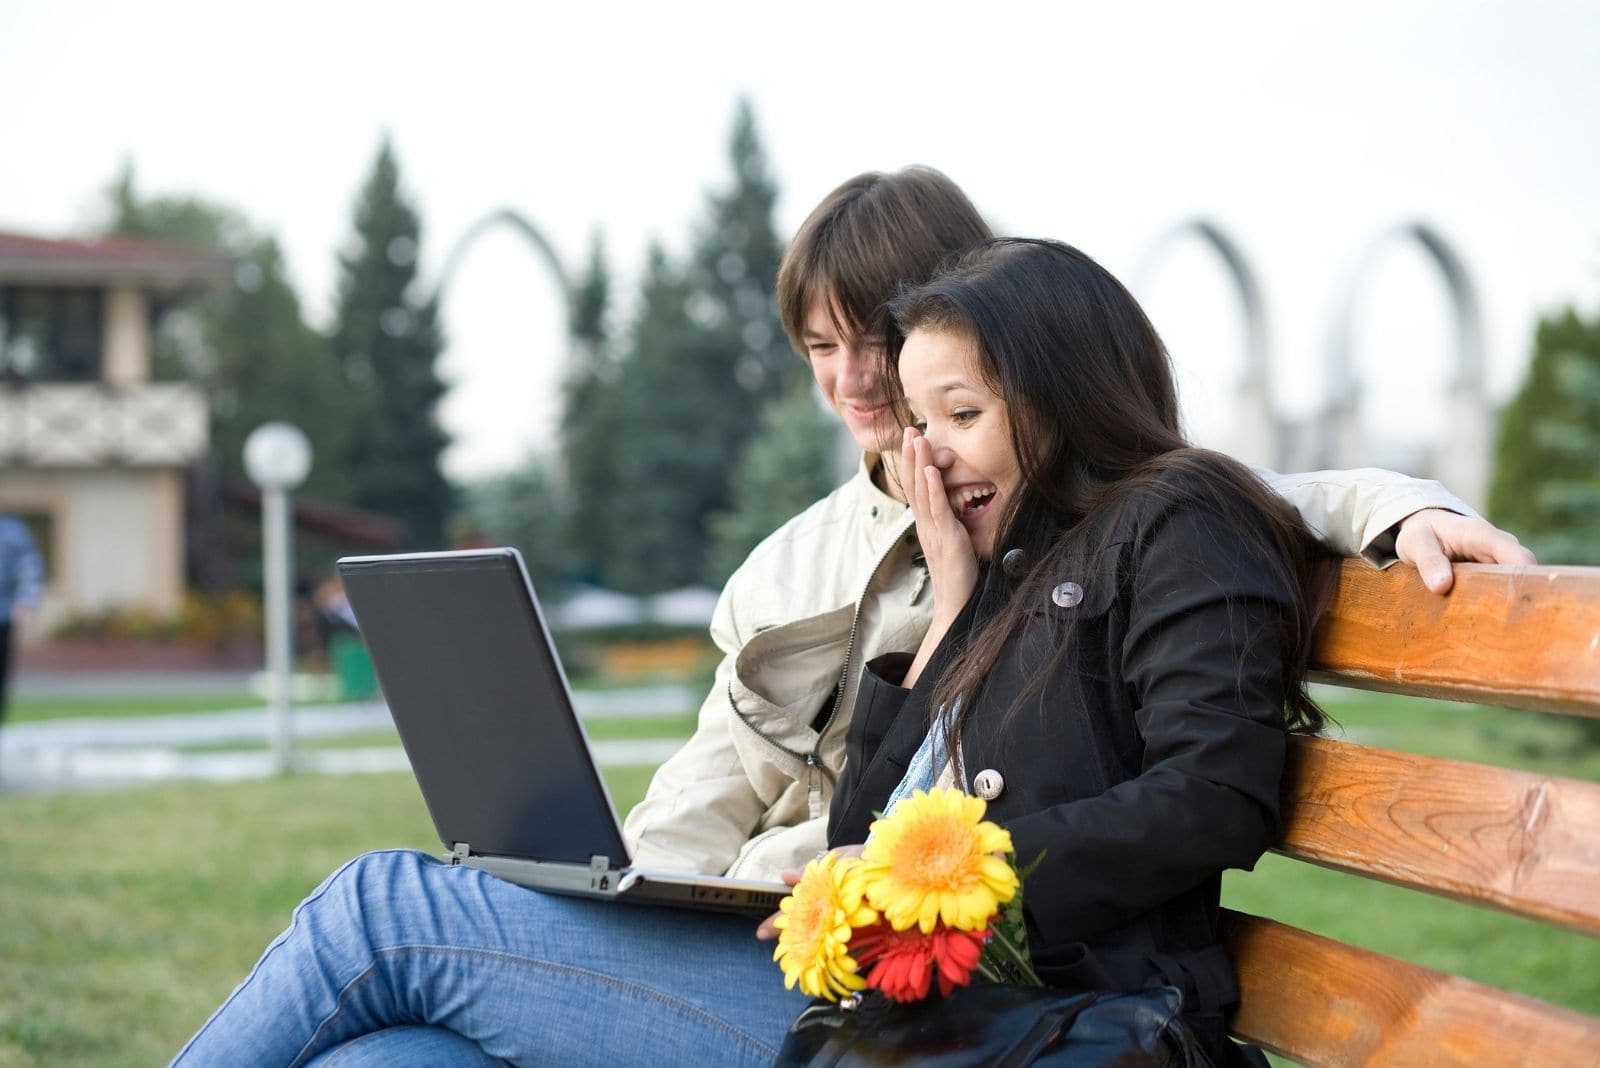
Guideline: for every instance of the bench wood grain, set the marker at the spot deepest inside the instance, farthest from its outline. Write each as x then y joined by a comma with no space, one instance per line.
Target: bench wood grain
1527,844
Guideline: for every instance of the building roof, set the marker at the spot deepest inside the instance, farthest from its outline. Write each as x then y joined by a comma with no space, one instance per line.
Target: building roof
341,523
29,260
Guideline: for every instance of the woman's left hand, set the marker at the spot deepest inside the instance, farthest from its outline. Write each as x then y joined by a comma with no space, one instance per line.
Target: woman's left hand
946,545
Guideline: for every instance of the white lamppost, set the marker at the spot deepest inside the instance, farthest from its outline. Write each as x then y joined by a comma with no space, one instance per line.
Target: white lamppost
277,457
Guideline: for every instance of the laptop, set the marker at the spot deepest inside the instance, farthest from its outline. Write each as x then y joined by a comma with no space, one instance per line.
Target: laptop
484,711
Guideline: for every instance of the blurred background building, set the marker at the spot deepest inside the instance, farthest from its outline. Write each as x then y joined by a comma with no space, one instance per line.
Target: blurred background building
95,454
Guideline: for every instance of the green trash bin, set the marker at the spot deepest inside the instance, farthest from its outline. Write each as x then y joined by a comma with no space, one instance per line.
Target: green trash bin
347,655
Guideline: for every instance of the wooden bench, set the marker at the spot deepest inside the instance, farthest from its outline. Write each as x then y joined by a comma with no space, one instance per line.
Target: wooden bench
1524,638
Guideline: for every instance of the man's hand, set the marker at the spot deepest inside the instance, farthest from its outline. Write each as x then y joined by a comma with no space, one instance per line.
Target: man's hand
1428,540
767,932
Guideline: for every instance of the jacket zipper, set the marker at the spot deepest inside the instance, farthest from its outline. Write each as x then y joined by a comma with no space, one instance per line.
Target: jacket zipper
816,770
850,645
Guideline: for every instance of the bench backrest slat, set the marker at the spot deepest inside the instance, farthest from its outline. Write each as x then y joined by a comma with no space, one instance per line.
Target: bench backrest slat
1515,841
1523,843
1516,637
1323,1002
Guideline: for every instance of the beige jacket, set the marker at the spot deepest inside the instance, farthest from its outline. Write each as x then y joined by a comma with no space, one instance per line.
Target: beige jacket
836,586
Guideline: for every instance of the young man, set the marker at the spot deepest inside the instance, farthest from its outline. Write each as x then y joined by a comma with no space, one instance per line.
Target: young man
398,959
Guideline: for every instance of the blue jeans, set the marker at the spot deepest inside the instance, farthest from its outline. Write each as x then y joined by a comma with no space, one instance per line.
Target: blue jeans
400,959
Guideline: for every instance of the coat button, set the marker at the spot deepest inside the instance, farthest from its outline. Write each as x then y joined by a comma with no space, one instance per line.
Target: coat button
1067,595
989,784
1014,563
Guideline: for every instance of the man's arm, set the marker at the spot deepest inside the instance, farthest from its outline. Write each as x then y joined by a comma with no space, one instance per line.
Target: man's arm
1385,516
700,807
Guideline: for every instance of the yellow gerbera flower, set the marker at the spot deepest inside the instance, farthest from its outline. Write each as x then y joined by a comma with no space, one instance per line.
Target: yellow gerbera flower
814,928
935,857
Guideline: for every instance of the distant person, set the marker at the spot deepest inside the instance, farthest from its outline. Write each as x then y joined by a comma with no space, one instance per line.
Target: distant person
398,959
21,577
333,613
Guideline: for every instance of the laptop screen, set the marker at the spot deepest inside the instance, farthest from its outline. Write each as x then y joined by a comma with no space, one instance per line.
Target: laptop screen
481,704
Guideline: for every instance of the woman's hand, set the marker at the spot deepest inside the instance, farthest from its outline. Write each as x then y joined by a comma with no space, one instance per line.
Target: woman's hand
767,931
946,545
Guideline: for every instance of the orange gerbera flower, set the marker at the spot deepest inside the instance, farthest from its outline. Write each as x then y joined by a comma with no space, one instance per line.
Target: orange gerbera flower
935,857
902,963
814,928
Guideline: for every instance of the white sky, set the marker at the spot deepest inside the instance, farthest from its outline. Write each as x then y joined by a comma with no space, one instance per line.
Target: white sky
1304,130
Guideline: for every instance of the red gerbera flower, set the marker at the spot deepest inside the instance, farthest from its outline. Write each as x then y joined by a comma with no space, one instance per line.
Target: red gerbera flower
903,964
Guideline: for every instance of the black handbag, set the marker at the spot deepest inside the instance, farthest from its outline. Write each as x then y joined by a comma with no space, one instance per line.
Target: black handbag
990,1024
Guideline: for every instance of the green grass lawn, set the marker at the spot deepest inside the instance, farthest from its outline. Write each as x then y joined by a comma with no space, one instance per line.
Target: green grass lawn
32,709
126,916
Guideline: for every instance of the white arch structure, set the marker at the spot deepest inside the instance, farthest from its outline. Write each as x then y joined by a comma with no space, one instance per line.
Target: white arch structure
569,355
536,240
1463,456
1256,437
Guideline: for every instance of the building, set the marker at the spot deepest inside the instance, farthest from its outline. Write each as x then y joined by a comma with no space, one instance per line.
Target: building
93,452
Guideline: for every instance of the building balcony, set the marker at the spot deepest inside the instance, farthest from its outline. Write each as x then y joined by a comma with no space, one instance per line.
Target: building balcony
159,424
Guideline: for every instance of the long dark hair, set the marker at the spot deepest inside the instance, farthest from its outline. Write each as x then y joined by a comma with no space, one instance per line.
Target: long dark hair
1093,415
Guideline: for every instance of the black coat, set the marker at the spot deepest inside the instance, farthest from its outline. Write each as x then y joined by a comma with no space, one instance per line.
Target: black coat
1144,766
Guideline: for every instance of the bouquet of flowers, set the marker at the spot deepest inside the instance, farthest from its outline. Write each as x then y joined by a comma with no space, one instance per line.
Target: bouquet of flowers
934,898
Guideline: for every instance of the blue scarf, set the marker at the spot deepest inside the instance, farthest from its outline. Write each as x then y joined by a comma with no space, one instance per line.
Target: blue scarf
927,764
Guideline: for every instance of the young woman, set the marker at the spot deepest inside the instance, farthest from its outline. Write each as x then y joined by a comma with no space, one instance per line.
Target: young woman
1120,623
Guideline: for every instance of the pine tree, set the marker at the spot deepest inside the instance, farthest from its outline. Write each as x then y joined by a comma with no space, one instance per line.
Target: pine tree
593,428
1546,486
652,436
668,464
386,338
591,303
734,274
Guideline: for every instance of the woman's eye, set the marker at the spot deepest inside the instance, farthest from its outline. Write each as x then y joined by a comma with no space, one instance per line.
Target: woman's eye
920,427
964,417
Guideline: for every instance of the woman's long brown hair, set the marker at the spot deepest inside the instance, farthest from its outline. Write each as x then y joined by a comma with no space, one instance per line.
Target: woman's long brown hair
1093,412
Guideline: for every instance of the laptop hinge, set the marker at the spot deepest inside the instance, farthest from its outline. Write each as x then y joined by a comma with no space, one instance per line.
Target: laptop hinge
460,852
599,872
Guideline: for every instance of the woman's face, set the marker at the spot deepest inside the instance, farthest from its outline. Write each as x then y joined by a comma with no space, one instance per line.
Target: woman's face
967,428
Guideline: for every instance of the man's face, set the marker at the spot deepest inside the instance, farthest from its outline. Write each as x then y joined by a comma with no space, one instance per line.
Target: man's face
848,370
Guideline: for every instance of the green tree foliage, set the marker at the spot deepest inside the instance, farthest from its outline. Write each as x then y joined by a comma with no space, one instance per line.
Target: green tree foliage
246,343
591,302
652,435
784,468
1546,486
386,338
670,451
594,429
733,275
524,508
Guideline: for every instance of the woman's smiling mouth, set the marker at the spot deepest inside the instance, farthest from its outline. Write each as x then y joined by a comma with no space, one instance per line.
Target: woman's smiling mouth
968,502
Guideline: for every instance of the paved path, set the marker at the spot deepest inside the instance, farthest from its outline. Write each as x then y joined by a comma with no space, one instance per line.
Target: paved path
100,752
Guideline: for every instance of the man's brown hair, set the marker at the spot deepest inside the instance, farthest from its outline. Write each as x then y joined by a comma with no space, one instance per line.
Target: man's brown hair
867,237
